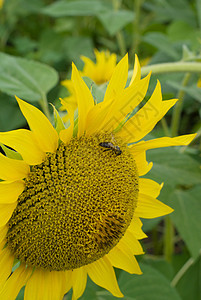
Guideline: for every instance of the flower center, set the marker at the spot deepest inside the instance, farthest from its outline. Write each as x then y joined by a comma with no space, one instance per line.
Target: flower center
76,205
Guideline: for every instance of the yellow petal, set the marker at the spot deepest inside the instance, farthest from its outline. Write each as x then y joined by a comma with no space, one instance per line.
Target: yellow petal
136,72
136,228
124,259
79,280
124,103
13,169
15,282
162,142
45,285
66,134
96,117
102,273
132,243
199,83
85,100
142,165
6,211
43,130
67,281
149,207
118,79
107,115
3,243
11,153
149,187
6,263
69,85
146,118
10,191
89,67
3,232
23,141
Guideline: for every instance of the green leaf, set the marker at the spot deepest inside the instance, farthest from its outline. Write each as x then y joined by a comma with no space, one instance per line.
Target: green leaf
187,54
74,8
173,167
192,90
73,51
25,78
162,43
149,224
166,11
90,293
198,5
189,285
113,21
10,114
150,285
187,216
161,265
181,31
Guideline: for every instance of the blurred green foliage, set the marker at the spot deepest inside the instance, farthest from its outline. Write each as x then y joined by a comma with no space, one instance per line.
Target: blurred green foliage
38,41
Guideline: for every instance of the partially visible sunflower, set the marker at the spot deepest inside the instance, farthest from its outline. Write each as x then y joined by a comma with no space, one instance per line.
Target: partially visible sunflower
71,206
100,72
1,3
199,83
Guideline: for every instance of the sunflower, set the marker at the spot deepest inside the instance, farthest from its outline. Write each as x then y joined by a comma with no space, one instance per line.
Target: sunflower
1,3
72,199
101,71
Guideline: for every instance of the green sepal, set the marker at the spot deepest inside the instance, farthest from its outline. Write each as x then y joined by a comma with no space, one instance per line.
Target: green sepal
75,129
11,153
59,125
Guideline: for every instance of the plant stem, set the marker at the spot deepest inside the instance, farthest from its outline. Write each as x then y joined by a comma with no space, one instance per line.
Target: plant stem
136,23
165,127
45,108
192,67
182,271
178,107
119,34
169,239
121,43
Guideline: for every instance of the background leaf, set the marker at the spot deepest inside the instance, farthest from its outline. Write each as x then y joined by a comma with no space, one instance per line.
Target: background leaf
143,287
10,117
174,167
189,285
27,79
193,90
187,216
74,8
162,43
113,21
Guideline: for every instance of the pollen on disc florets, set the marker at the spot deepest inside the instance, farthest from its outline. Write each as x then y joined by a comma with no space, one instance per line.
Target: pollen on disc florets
76,205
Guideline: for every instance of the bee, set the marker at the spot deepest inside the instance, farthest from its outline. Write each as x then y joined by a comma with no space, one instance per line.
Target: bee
112,147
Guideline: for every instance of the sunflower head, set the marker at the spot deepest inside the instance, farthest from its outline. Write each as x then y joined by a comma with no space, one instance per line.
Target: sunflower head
71,202
68,200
